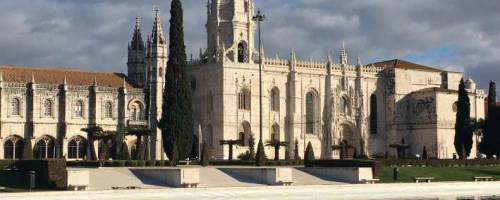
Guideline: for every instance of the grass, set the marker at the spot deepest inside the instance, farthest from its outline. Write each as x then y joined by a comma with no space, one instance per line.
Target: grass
440,173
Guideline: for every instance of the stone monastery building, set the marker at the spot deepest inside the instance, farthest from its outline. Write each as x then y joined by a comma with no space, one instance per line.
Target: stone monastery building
369,107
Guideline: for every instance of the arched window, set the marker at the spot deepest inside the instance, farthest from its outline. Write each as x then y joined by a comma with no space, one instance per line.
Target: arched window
344,106
108,110
78,108
311,103
373,114
45,148
136,111
245,131
242,52
77,148
13,148
47,105
275,133
244,99
16,106
275,99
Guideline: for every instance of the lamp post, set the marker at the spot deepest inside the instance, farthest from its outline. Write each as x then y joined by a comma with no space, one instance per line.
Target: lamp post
260,18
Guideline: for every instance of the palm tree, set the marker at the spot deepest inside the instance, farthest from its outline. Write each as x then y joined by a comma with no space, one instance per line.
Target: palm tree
107,138
139,131
91,131
276,144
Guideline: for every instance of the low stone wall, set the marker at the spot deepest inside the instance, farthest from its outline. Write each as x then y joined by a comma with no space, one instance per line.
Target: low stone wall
176,177
341,174
265,175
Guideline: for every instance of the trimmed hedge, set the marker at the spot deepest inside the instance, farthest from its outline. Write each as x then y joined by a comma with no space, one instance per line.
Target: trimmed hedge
166,163
377,167
49,173
440,163
4,164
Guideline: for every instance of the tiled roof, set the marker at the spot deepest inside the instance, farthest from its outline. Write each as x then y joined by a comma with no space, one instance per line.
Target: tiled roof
57,76
401,64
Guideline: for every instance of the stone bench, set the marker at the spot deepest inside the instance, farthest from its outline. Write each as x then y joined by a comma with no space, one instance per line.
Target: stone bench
78,187
483,178
172,176
266,175
422,179
341,174
370,181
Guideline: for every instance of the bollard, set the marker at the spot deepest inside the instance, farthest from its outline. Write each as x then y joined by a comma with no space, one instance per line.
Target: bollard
396,174
32,179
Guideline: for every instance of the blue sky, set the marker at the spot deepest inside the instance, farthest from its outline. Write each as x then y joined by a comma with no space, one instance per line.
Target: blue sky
460,35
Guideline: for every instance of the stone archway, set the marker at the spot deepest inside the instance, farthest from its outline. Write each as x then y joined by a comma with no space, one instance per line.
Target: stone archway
346,142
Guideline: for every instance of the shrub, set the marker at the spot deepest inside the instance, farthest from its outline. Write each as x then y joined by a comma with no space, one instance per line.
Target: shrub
49,173
131,163
309,155
245,156
141,163
150,163
124,154
159,163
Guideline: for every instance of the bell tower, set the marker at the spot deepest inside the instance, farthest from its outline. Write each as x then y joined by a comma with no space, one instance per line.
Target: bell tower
230,31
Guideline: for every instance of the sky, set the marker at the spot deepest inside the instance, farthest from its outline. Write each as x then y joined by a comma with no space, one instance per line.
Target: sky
459,35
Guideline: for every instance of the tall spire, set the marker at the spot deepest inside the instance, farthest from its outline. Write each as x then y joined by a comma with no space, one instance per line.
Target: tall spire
137,43
343,55
157,35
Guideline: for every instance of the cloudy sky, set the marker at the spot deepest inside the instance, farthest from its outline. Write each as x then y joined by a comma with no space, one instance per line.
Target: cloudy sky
93,34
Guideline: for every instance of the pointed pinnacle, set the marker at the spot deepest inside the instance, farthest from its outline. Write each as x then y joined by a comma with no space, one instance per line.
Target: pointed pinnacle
32,77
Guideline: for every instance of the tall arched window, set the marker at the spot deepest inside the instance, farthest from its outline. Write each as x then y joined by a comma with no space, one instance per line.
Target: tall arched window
13,148
311,103
275,99
77,148
45,148
244,99
47,105
373,114
136,111
344,106
242,52
78,108
108,110
15,106
275,133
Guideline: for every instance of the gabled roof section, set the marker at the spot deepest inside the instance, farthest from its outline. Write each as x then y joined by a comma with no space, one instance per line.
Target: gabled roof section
57,76
402,64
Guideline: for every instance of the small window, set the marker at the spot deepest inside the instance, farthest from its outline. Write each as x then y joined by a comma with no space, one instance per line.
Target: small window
47,108
16,106
242,52
108,110
79,109
275,100
244,98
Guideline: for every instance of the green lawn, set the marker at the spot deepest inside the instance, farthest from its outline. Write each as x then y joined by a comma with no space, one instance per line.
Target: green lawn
440,173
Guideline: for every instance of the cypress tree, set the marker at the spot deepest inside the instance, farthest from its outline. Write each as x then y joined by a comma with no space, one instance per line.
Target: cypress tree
424,153
175,155
251,145
124,154
309,154
463,132
177,121
27,150
204,155
296,155
260,158
487,145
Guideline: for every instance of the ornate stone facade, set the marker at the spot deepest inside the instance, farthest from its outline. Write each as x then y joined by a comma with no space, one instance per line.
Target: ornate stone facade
368,106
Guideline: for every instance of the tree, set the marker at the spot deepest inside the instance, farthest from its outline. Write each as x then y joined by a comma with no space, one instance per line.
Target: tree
204,155
296,155
287,153
28,150
490,140
309,154
91,131
260,158
276,144
176,121
424,153
124,154
251,145
175,155
106,138
463,132
139,131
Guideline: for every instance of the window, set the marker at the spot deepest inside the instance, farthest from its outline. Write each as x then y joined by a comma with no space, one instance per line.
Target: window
242,52
79,108
344,106
77,148
45,148
47,105
275,133
108,110
16,106
136,111
373,114
275,99
13,148
244,99
310,112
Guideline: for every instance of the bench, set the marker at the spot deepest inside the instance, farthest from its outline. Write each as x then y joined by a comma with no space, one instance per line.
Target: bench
483,178
78,187
184,162
190,185
422,179
370,181
285,183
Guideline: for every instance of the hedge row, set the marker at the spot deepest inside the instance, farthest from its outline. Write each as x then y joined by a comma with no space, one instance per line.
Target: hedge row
123,163
377,167
252,163
440,163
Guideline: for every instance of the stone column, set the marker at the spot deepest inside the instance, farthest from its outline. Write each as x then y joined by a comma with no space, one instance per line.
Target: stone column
61,124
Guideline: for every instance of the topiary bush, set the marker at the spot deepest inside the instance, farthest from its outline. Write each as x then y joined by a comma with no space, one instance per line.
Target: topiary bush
309,155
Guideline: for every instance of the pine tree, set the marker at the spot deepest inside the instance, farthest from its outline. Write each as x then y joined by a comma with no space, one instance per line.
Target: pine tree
204,155
463,132
260,158
177,121
309,155
27,150
296,155
490,139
